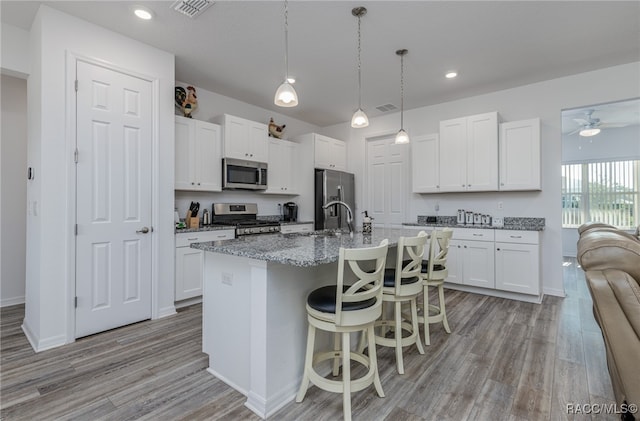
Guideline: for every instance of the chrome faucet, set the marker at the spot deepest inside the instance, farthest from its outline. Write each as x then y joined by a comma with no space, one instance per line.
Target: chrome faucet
349,212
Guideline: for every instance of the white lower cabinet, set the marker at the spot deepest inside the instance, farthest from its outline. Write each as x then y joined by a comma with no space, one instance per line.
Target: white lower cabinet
518,261
296,228
189,262
470,259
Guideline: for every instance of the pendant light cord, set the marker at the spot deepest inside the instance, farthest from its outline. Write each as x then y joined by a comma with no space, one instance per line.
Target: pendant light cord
286,40
359,68
402,92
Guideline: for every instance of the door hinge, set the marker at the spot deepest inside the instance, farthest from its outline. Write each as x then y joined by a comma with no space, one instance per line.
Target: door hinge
75,156
76,229
75,84
75,303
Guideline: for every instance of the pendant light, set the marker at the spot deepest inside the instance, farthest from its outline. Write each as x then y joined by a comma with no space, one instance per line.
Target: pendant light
286,96
359,118
402,136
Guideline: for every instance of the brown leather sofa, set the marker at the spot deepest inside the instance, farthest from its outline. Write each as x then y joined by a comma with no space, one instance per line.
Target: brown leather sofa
611,261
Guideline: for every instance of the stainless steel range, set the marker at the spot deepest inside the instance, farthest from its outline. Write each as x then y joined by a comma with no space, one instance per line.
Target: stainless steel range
243,216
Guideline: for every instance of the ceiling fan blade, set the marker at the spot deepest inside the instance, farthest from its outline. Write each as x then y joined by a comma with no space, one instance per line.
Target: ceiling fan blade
612,125
575,131
581,121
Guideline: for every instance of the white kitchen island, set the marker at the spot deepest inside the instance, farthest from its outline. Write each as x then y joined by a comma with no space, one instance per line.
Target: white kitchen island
254,316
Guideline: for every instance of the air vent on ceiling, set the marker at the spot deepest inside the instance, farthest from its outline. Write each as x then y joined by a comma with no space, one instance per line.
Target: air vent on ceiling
386,107
191,8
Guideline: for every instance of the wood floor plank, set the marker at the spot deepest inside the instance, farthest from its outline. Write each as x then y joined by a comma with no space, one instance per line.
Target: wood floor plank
503,360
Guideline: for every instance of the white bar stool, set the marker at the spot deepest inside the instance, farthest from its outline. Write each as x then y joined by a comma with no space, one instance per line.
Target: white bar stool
403,284
343,309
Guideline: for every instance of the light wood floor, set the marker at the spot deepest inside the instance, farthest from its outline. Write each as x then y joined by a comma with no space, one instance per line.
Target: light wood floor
504,360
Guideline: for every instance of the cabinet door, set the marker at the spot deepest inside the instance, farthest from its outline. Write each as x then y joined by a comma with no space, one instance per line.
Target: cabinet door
520,155
425,164
258,142
185,152
236,137
189,270
453,155
281,178
322,152
208,157
517,267
289,153
338,155
454,262
478,263
482,152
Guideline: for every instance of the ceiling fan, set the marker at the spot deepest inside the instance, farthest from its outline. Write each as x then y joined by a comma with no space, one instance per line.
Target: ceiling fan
591,126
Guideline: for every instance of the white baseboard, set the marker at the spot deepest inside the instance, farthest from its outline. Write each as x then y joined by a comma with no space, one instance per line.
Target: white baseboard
166,311
40,345
556,292
6,302
227,381
188,302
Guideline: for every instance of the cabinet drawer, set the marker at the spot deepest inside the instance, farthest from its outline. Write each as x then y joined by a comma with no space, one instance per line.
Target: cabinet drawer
184,239
478,234
516,236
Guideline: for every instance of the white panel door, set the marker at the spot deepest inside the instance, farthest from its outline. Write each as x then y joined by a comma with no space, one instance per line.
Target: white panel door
376,181
113,187
387,176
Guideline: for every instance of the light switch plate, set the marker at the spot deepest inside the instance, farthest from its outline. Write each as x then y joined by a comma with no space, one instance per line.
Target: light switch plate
497,222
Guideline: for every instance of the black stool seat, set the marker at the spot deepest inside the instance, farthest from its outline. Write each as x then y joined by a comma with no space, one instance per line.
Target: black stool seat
390,278
425,265
324,300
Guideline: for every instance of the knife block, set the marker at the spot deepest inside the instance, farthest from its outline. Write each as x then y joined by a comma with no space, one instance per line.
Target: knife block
194,222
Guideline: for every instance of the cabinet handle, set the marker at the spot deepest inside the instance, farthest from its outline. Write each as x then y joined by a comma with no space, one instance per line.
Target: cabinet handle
515,236
198,183
502,184
437,187
465,246
221,236
478,235
192,183
192,239
463,185
468,185
497,249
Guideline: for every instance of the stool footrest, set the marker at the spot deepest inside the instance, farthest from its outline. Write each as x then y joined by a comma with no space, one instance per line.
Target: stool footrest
337,386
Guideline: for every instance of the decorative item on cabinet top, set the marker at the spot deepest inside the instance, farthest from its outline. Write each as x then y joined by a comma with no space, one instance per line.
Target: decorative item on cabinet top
275,130
187,100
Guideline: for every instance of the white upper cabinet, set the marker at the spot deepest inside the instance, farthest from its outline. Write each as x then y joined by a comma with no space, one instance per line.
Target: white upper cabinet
243,139
468,151
198,163
330,153
282,167
425,164
520,155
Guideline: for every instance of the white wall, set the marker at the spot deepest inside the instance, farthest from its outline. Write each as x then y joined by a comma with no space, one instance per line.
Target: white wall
545,100
211,104
13,189
55,36
15,51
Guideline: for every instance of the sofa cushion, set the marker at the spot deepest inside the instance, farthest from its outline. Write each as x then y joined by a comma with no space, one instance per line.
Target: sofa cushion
616,301
606,249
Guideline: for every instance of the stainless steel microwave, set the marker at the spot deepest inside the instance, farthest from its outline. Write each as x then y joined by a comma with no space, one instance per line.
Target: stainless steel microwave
241,174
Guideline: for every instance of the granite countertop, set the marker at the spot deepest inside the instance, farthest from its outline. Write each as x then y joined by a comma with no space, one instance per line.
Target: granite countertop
213,227
296,223
510,223
303,250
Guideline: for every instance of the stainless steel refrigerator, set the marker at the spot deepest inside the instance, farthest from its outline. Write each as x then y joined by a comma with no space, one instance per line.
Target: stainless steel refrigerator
333,185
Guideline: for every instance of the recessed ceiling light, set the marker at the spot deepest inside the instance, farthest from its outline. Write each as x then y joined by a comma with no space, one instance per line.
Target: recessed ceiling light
143,13
291,80
451,75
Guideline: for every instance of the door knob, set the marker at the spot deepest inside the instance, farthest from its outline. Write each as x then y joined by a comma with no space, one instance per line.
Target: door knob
144,230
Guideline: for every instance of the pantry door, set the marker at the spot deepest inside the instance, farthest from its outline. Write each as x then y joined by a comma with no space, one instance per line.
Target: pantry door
387,181
113,198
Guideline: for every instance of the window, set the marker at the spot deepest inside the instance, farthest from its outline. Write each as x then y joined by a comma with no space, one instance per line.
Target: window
606,192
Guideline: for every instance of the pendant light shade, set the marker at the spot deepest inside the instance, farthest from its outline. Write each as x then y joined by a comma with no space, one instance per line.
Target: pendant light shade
286,95
359,119
402,137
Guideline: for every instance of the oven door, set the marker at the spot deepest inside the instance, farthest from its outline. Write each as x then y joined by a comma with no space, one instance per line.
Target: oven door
248,175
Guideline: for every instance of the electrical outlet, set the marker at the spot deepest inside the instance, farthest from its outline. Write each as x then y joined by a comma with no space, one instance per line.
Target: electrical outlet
437,207
500,205
227,278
